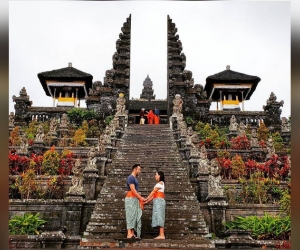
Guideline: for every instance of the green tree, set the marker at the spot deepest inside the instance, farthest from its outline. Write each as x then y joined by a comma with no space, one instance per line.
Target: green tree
51,161
262,132
79,138
14,137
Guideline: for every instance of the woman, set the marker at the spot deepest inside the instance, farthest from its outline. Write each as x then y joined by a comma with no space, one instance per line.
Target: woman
150,116
159,204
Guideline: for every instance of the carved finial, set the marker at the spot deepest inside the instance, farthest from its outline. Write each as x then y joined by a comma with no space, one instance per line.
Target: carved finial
228,67
69,64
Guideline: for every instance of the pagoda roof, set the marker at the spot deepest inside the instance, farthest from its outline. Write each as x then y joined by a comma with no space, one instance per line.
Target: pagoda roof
233,78
68,74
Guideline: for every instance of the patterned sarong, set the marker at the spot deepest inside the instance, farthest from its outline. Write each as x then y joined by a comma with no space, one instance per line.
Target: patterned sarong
133,214
158,213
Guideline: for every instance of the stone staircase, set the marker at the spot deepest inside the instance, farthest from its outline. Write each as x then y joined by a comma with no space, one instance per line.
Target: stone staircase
154,147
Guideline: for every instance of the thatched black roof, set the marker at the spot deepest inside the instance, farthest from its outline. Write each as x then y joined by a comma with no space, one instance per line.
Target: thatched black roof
67,74
232,77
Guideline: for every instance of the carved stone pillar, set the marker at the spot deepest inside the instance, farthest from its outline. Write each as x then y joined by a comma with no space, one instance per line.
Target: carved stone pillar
217,206
89,183
108,150
101,165
73,213
52,239
202,181
286,136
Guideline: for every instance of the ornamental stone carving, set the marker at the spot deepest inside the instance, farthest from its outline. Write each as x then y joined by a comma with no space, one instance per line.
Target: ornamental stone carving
77,179
233,124
23,150
242,129
91,162
270,148
120,105
64,121
11,119
285,127
40,134
177,102
53,127
204,164
214,181
254,140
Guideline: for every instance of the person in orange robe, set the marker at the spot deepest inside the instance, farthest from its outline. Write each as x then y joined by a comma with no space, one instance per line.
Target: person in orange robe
150,116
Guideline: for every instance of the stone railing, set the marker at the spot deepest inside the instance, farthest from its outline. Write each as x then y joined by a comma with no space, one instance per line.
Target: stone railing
42,114
222,118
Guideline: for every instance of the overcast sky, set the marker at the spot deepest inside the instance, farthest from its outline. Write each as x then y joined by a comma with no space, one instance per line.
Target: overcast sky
252,37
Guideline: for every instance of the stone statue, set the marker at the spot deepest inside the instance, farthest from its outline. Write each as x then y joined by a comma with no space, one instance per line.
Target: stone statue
91,163
77,179
11,119
270,147
120,105
233,124
177,108
204,164
40,133
189,134
64,121
106,134
272,98
53,126
214,181
285,127
23,145
242,129
254,140
101,143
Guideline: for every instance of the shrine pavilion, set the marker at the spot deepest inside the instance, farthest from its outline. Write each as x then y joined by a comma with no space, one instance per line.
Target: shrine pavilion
230,88
66,86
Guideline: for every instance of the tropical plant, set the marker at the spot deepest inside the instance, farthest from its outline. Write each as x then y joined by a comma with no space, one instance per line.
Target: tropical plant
278,143
79,138
267,227
27,185
240,142
262,132
238,167
78,115
28,224
50,163
15,137
108,119
254,190
55,188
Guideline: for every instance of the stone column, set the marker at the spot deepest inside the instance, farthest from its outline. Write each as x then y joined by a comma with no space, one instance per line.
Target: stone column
52,239
101,165
89,184
217,206
72,217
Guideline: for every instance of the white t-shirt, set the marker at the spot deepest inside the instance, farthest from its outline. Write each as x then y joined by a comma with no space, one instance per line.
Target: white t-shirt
160,186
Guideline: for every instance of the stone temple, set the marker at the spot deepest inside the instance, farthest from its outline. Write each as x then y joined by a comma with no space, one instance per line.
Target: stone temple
202,194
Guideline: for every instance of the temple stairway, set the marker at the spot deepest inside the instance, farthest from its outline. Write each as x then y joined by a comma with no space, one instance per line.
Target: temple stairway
154,147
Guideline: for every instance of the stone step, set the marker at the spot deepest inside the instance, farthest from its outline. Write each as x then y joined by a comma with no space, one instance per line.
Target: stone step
154,148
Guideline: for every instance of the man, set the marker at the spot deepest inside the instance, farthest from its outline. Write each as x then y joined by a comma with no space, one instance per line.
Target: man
156,117
133,204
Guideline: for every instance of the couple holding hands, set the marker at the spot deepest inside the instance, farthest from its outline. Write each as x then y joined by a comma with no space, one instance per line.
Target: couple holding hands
134,204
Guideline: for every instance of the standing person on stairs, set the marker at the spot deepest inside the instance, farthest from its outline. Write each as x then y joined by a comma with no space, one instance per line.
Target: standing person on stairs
133,203
159,204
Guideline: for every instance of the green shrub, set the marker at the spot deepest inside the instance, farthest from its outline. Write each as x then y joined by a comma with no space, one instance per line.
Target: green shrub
266,227
28,224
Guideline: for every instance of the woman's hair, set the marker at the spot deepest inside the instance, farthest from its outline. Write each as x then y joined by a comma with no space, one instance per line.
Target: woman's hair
161,176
